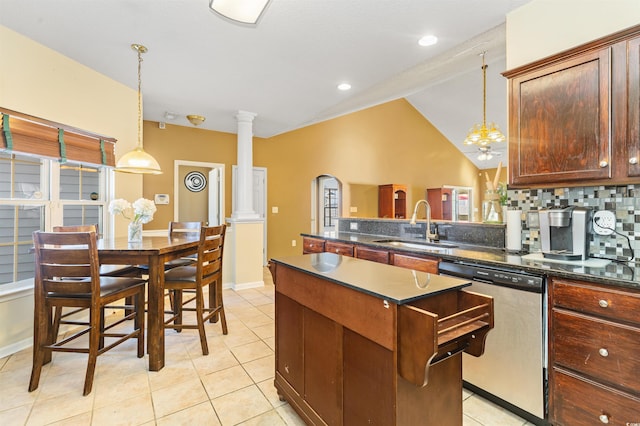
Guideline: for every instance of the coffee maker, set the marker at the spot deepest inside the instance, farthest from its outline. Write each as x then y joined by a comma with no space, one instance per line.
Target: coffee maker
564,232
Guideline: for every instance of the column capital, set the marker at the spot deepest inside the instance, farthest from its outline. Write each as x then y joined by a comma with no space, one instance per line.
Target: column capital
245,116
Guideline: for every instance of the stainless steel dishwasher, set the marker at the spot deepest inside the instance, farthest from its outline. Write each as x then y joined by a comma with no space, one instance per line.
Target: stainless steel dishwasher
512,371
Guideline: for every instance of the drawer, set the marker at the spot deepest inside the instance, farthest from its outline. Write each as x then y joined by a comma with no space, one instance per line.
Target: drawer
437,327
578,401
604,302
598,348
312,245
380,256
417,263
339,248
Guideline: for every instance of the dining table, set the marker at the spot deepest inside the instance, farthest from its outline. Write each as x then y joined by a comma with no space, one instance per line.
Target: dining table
153,251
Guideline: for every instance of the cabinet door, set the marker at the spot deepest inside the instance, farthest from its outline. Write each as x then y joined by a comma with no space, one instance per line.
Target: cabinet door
632,118
380,256
559,122
312,245
339,248
417,263
289,341
323,366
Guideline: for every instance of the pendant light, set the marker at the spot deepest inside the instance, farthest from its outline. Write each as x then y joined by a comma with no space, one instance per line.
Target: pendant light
138,161
481,134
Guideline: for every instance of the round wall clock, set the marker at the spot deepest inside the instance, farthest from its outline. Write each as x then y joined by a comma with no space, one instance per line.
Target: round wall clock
195,181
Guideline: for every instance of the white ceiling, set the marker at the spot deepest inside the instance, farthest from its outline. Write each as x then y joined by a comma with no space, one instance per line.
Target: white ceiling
287,68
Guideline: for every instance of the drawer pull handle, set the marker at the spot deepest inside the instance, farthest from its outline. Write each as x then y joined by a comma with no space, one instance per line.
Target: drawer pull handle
603,352
604,163
286,368
604,418
633,160
603,303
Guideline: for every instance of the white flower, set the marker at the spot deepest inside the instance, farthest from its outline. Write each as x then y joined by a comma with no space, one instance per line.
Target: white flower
141,211
119,206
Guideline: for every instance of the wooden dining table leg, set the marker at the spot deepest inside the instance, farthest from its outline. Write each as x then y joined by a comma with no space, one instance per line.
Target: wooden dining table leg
155,313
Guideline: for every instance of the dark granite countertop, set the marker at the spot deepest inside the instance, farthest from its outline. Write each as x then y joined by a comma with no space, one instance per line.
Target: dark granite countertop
613,273
397,285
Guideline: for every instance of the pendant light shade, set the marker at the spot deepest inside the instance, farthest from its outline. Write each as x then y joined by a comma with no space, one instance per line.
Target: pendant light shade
138,161
483,134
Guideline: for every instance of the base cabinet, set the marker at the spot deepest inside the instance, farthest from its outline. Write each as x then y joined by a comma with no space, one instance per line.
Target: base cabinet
593,354
343,357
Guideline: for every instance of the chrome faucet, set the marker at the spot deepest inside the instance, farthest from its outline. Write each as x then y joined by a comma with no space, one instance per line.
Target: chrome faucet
429,236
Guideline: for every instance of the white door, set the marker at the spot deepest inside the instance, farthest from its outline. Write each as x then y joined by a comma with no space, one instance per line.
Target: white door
259,198
214,216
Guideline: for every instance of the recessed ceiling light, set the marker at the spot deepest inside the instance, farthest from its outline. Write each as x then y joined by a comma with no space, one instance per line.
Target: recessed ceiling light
344,86
428,40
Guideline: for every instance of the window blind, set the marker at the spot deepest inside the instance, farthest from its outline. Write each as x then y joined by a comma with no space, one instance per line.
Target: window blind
32,135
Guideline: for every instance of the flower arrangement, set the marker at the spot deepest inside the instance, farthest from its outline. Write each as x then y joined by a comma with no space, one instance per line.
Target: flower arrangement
138,213
141,211
502,192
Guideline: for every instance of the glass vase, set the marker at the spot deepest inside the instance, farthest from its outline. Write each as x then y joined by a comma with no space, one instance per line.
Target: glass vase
491,208
135,232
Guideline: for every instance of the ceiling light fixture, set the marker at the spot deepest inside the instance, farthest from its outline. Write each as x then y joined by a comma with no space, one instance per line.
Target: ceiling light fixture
485,153
138,161
428,40
196,120
344,86
480,134
242,11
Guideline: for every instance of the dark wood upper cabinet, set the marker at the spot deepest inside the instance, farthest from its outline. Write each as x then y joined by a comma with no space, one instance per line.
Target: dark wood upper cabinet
574,117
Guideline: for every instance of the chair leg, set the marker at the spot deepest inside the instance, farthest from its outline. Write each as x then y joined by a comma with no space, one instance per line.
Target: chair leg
95,334
200,320
139,322
220,303
177,308
40,339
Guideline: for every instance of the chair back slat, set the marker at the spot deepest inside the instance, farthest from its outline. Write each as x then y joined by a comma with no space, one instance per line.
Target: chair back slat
177,228
67,286
67,262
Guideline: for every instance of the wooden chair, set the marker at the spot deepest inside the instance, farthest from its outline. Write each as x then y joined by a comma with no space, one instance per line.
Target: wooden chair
176,230
207,272
67,275
59,317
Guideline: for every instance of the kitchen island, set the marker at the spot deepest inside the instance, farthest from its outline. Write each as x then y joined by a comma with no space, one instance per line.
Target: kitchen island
359,342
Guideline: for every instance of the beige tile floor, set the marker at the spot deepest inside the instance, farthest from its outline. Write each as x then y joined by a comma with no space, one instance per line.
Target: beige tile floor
233,385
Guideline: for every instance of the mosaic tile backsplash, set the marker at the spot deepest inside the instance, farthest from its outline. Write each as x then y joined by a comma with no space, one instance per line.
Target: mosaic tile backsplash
624,201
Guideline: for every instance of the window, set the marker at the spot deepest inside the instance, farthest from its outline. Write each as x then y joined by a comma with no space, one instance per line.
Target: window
36,194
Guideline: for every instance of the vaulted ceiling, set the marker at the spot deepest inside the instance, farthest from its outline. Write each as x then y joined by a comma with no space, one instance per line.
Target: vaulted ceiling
287,68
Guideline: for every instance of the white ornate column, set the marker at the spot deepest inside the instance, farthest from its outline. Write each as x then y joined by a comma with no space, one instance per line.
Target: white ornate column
244,185
244,242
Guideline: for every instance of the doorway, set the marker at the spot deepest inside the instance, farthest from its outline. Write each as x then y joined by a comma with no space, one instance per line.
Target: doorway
198,192
326,203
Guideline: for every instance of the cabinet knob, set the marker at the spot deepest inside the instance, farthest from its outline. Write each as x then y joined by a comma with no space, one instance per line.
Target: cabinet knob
603,303
603,352
633,160
604,418
604,163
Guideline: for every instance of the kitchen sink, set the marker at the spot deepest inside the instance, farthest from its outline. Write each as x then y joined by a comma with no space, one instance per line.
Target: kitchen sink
417,245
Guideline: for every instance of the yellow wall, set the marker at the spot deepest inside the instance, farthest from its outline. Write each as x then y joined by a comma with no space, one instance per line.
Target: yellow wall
389,143
41,82
187,144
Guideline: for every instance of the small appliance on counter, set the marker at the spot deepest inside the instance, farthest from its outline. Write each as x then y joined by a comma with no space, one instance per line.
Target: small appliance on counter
564,232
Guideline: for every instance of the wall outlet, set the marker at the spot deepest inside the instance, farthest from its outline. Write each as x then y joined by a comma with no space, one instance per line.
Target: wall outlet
604,222
274,209
353,226
293,243
353,209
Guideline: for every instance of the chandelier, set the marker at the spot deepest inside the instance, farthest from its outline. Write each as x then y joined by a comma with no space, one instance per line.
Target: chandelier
138,161
481,134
